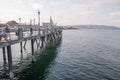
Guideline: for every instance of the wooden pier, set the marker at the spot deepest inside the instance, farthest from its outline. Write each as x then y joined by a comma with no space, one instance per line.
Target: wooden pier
39,36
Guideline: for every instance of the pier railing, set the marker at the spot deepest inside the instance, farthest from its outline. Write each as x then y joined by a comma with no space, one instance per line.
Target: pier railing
16,36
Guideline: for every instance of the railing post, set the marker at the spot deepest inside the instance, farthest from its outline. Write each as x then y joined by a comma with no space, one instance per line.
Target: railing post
9,54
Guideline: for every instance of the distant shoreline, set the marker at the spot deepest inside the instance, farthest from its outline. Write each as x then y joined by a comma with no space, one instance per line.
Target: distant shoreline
91,27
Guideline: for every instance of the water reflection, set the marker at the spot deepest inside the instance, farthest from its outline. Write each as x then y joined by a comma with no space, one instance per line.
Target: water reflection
38,70
21,58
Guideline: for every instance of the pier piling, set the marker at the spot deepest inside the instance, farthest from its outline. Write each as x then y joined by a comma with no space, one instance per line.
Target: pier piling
32,48
10,66
4,57
21,50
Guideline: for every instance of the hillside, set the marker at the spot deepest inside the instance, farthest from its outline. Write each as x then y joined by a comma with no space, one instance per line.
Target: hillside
90,27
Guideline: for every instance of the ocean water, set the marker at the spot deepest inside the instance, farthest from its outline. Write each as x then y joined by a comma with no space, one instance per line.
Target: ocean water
84,54
87,55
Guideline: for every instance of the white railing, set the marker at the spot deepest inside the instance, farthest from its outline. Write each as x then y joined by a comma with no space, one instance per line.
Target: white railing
26,33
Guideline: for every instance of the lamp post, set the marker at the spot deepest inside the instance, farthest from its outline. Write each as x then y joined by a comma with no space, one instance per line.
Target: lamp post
19,22
38,22
20,30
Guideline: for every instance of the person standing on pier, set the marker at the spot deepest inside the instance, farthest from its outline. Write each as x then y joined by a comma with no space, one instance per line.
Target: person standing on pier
7,30
4,35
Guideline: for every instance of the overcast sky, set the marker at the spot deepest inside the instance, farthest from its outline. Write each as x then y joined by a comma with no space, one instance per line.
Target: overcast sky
63,12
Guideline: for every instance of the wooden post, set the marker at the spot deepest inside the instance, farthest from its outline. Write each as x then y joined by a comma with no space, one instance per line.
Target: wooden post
47,37
42,40
9,53
36,43
32,48
54,38
57,35
4,56
21,50
25,44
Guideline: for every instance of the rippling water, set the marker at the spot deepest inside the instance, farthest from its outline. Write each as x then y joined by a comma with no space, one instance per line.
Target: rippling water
81,55
87,55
